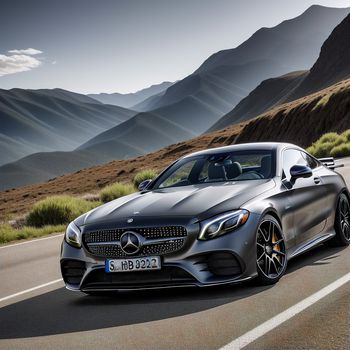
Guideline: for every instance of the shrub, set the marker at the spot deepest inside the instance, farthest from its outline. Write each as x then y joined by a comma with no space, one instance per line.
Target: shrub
346,134
342,150
328,137
331,145
322,101
8,233
312,150
339,141
58,210
144,175
321,149
115,191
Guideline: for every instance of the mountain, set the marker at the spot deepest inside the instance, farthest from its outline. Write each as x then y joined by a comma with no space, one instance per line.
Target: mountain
332,65
222,81
131,100
47,120
301,122
190,106
269,93
291,45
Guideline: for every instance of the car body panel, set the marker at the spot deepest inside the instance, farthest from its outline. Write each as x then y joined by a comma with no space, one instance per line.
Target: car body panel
304,209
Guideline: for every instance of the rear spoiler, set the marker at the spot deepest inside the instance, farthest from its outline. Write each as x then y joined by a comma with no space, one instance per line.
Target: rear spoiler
330,163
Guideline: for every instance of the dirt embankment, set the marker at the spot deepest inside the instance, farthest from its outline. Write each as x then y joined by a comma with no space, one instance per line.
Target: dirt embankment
303,121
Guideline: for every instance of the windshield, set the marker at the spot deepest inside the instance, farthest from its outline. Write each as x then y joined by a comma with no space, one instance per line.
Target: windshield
221,167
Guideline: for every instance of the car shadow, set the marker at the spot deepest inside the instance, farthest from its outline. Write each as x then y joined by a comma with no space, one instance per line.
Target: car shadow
61,311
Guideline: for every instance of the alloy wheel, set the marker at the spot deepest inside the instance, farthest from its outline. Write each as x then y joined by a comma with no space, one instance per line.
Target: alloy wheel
344,216
271,252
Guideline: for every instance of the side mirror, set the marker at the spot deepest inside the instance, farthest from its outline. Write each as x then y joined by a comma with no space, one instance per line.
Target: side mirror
143,185
297,171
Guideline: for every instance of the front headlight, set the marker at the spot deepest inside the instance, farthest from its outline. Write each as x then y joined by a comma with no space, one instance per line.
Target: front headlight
222,224
72,235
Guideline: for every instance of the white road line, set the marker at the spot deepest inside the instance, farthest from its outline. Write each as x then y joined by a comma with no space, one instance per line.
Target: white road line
30,290
31,241
284,316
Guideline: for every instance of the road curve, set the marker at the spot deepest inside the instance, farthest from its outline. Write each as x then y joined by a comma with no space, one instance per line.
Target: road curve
210,318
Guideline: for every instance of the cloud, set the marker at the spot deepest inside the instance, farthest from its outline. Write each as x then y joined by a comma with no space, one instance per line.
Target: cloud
30,51
17,63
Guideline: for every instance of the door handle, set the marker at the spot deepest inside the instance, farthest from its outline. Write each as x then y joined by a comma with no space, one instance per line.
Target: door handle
317,180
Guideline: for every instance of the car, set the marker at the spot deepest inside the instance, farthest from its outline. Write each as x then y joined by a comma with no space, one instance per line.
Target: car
219,216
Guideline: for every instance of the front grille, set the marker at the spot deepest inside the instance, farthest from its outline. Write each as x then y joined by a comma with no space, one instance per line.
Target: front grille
147,232
173,239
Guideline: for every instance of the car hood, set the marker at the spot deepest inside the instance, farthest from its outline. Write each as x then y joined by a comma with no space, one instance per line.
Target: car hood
197,201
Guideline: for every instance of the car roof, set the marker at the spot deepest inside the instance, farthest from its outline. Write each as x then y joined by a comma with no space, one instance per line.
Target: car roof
259,146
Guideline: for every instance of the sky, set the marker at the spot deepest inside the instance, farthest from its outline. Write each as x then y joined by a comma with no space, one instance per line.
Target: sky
93,46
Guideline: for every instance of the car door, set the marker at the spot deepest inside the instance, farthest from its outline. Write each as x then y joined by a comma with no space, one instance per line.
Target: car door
307,196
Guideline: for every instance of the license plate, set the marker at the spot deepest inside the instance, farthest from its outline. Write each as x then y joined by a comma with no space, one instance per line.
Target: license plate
134,264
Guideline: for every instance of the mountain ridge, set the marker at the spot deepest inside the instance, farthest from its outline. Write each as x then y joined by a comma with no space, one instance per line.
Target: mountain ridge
48,120
332,65
133,99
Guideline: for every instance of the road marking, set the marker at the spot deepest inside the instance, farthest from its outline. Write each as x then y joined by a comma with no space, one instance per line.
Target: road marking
284,316
31,241
30,290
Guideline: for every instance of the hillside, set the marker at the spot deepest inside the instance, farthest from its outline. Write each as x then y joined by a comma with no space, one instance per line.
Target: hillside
327,110
269,93
304,120
332,65
131,100
51,120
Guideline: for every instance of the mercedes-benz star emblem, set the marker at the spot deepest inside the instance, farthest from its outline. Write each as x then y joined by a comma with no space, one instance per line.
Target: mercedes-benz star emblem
130,242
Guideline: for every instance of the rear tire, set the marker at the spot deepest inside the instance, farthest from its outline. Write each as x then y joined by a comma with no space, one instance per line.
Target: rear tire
271,251
341,223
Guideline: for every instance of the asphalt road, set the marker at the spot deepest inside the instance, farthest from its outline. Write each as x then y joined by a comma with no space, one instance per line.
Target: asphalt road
36,312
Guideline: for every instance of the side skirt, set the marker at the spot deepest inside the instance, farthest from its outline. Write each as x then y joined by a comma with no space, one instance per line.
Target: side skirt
311,244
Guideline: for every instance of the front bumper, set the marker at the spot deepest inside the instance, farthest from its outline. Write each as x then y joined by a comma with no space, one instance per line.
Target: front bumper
228,259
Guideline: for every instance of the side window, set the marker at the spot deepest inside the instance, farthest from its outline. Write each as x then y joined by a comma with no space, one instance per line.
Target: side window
291,157
311,162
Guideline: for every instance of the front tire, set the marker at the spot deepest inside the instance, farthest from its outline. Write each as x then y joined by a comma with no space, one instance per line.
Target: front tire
271,257
341,223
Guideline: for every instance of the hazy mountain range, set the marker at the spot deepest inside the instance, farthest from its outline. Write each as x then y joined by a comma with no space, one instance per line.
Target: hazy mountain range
50,120
131,100
235,85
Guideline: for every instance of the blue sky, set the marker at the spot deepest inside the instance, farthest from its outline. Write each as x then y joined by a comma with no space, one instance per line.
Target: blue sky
123,46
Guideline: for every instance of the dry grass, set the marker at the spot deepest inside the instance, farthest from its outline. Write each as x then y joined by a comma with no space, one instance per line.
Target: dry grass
115,191
9,234
58,210
146,174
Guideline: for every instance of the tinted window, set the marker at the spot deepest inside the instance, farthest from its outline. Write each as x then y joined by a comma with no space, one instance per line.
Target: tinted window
220,167
292,157
311,162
